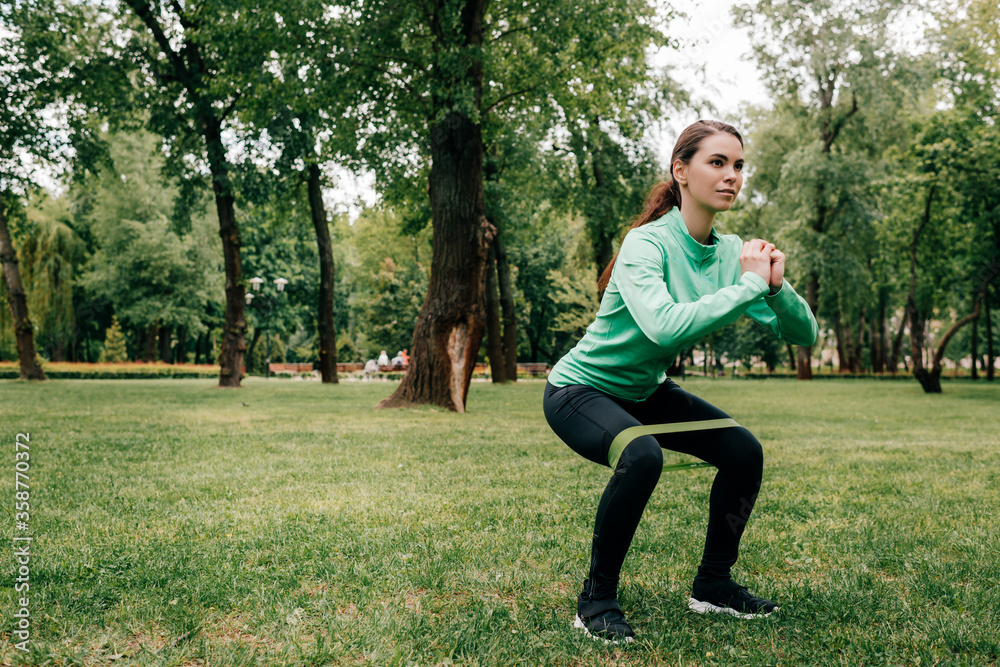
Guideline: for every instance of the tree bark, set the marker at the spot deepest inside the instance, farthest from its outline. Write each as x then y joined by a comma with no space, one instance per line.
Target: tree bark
450,326
18,302
494,344
180,356
327,333
507,307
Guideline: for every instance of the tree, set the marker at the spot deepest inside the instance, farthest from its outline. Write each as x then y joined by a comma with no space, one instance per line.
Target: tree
52,254
438,69
301,110
829,65
196,62
114,345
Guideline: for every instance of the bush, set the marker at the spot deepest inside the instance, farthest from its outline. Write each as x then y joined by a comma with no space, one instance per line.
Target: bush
125,371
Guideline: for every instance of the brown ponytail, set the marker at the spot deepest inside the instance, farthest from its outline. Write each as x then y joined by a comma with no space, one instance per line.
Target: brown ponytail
665,195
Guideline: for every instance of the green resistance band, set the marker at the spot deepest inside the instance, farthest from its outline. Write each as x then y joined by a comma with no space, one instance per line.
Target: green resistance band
628,435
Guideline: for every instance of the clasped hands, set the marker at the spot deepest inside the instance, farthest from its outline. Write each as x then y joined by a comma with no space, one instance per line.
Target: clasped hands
765,260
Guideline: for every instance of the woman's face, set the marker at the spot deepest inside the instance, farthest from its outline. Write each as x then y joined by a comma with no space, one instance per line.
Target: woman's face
714,176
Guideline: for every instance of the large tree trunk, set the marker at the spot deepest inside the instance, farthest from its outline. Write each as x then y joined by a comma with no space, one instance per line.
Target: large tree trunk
23,329
494,343
450,326
920,371
327,333
235,327
506,307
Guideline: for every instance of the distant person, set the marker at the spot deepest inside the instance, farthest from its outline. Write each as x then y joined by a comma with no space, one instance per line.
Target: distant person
398,361
674,280
405,356
371,368
383,359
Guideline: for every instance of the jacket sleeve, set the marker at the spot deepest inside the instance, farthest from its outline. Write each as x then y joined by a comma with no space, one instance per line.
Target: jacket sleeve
638,277
787,315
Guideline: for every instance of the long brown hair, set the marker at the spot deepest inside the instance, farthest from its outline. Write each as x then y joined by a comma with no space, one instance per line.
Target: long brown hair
665,195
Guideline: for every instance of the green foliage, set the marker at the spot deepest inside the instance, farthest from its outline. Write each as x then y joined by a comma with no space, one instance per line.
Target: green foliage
149,273
58,81
51,257
114,345
387,274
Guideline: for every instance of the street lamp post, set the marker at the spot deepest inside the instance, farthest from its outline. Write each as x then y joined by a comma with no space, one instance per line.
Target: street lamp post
266,299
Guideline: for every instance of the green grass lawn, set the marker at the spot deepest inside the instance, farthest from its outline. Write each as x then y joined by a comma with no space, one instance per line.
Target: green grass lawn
290,523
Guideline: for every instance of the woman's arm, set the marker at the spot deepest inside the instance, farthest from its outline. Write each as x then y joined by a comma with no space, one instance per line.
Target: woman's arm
638,276
787,315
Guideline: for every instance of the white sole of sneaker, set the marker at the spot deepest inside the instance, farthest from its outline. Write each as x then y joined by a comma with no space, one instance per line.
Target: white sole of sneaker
578,623
700,607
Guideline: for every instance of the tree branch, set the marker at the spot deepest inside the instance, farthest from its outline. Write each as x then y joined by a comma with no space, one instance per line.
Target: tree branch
508,96
843,119
145,14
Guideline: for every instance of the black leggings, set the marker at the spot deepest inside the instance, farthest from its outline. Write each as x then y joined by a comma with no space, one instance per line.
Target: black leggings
588,419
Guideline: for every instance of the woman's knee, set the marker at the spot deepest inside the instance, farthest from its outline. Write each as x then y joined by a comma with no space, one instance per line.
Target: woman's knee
643,456
744,450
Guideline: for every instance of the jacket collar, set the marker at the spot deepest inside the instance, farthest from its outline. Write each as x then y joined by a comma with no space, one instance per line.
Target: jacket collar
695,250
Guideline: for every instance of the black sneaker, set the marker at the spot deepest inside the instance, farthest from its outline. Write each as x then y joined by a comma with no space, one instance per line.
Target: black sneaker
608,626
728,597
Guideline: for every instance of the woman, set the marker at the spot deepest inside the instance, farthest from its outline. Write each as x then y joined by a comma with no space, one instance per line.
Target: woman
674,280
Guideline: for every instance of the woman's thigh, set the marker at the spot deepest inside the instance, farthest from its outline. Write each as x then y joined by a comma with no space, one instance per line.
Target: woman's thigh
670,404
586,419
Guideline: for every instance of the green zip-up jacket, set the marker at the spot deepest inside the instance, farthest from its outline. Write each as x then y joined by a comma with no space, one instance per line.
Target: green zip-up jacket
666,291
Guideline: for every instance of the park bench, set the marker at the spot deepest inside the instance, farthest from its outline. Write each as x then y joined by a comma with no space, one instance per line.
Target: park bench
350,367
533,369
292,368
